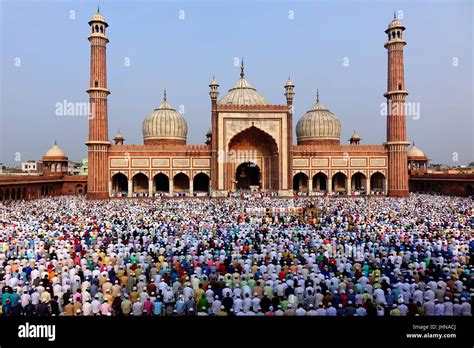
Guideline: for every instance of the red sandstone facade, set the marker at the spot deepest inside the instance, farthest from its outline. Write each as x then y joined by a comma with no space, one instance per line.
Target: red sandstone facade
249,125
243,121
33,187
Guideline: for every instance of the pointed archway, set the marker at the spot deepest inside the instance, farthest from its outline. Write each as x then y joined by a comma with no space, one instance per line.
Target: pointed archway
161,184
358,182
119,185
377,183
320,182
339,182
253,145
201,183
181,184
300,183
140,184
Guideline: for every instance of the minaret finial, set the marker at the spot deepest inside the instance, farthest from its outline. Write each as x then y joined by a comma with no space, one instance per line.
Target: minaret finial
98,8
317,95
242,74
164,95
394,14
55,142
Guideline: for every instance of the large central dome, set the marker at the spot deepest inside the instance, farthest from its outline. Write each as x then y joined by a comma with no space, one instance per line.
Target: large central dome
318,126
243,93
164,125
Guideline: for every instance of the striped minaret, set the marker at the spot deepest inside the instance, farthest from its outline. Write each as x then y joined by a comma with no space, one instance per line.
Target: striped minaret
396,119
214,93
98,142
290,94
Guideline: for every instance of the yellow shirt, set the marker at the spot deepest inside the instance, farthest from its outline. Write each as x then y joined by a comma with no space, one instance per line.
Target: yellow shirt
108,298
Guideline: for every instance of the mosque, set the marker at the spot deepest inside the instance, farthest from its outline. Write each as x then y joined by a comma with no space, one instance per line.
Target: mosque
250,143
249,146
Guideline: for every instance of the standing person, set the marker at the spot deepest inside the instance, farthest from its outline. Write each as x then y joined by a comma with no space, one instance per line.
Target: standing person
466,307
55,308
95,306
7,308
117,306
137,308
105,309
69,308
43,309
87,308
300,311
77,308
126,306
158,307
148,307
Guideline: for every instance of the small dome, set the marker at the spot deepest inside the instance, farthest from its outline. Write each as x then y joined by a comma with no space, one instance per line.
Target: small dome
243,93
415,152
98,17
118,135
355,137
318,126
165,125
55,151
395,23
289,83
213,82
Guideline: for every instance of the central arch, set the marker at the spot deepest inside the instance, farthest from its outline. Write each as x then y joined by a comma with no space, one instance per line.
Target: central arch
253,145
247,175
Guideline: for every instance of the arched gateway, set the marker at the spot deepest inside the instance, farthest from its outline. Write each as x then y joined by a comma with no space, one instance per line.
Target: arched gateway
252,161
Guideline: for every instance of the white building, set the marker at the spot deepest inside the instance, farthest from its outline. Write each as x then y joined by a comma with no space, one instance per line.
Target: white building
29,166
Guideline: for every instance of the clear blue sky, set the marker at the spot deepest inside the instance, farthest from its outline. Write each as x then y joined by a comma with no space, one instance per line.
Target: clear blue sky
183,54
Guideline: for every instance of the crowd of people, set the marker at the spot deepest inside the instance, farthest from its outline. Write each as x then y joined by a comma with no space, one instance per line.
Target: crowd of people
243,256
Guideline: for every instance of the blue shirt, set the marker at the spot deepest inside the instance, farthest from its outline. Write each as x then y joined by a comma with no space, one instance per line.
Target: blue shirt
180,307
157,307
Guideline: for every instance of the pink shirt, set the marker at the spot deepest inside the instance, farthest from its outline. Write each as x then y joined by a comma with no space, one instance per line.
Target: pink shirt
147,306
104,308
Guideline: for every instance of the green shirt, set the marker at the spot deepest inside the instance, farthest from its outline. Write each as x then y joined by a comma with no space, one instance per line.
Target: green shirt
203,303
5,296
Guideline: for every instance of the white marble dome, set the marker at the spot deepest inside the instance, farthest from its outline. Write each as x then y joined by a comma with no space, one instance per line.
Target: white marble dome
414,151
165,124
318,126
243,94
